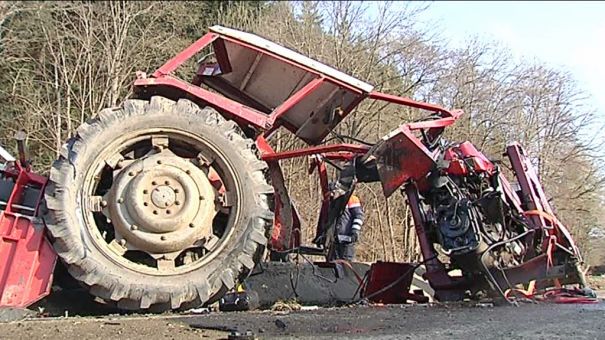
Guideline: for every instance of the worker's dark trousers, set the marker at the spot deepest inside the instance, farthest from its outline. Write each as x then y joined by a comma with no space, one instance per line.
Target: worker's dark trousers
345,251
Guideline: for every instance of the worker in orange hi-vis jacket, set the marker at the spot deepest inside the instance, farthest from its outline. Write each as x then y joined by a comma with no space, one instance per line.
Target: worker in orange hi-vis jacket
348,229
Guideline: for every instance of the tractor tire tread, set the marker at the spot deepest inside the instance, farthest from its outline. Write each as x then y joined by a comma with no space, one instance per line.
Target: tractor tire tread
62,203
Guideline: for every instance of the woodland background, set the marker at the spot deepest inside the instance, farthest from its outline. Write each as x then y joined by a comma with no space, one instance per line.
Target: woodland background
61,62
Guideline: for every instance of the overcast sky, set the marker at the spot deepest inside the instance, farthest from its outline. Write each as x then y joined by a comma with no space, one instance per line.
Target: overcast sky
566,35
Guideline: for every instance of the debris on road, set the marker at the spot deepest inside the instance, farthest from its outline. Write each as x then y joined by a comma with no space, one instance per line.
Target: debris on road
280,324
203,310
248,335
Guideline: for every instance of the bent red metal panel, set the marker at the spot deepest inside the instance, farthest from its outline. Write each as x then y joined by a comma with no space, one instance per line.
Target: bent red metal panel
538,209
222,103
27,260
402,157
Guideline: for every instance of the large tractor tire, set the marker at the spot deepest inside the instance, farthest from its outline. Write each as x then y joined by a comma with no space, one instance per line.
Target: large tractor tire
159,205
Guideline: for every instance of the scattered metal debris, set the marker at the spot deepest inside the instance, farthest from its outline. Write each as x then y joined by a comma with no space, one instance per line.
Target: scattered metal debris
248,335
280,324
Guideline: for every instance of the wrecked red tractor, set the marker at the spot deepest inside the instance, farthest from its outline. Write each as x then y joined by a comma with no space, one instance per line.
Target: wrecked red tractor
172,199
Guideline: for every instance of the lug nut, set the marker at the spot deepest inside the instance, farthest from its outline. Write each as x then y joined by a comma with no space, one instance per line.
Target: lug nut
163,238
167,212
159,161
155,212
145,192
176,190
133,227
177,203
154,183
120,200
145,203
103,203
201,198
130,173
167,182
188,172
123,242
191,225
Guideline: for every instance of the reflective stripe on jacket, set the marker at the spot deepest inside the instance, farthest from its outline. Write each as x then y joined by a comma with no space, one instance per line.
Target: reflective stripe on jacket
352,218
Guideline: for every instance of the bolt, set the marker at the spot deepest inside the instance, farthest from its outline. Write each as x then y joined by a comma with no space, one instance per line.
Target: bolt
145,192
145,203
159,161
130,173
177,190
167,182
177,203
154,183
103,203
155,212
120,200
167,212
133,227
163,238
191,225
188,172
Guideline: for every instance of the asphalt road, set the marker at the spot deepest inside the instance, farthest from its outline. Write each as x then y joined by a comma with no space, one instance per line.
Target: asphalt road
527,321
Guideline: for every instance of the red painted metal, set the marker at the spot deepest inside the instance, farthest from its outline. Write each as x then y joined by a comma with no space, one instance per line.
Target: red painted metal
263,146
286,233
510,193
460,156
416,104
538,208
445,286
184,55
295,99
231,107
27,259
383,274
339,156
457,168
315,150
237,110
402,157
318,163
221,55
288,61
432,124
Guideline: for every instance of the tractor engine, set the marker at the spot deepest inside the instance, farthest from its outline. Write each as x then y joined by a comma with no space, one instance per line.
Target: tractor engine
468,213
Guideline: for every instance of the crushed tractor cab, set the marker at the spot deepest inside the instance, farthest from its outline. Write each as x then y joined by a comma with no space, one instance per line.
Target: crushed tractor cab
171,199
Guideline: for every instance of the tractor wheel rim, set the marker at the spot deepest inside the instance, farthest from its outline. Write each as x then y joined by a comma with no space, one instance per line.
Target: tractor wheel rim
162,203
202,195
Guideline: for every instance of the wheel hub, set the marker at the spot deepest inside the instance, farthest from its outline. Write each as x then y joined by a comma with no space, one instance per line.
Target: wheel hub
163,196
162,204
